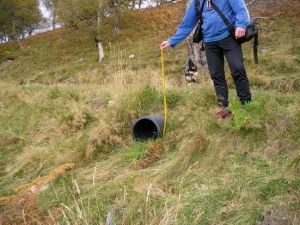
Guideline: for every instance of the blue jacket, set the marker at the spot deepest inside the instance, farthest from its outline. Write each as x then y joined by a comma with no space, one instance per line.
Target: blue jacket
214,28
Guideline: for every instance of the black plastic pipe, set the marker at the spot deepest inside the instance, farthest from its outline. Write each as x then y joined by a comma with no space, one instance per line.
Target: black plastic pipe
148,127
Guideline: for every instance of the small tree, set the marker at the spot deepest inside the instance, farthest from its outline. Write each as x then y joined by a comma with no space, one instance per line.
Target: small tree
76,12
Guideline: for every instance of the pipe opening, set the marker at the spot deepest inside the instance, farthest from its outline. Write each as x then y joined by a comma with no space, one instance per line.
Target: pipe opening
145,129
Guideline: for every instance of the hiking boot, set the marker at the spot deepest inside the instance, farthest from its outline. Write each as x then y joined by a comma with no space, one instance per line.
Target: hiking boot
223,114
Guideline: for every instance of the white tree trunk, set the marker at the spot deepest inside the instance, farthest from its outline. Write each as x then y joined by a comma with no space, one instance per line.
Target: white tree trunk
100,51
97,39
16,35
54,20
197,57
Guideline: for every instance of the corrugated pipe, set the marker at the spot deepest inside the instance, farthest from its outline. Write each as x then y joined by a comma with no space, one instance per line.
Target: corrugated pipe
148,127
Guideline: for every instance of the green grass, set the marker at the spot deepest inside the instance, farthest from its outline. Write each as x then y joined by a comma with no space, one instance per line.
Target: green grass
137,151
65,110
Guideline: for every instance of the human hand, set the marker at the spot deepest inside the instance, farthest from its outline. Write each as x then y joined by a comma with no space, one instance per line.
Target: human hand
165,44
240,32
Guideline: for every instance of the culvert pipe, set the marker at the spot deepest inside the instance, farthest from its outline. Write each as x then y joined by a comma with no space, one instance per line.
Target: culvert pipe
148,127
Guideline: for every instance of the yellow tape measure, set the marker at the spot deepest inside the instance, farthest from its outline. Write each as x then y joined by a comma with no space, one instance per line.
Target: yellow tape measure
164,89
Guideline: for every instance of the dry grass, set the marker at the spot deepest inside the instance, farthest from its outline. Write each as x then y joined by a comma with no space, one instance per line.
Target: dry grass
102,136
202,173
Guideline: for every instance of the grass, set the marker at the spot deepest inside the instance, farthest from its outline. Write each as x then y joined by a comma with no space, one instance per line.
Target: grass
65,108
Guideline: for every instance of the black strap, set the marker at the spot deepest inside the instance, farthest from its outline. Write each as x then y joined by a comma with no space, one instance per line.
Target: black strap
226,21
255,44
199,11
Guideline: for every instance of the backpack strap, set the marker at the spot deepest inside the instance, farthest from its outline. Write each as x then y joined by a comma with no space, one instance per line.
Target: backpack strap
255,44
199,10
226,21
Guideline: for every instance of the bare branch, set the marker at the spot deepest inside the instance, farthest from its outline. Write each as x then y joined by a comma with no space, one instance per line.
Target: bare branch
251,2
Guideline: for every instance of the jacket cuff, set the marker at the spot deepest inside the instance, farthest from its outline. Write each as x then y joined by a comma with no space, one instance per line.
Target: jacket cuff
242,25
171,42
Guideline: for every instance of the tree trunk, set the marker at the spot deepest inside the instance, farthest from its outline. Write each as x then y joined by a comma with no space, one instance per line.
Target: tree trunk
196,53
53,20
15,34
140,3
196,60
116,28
100,52
97,39
54,14
133,4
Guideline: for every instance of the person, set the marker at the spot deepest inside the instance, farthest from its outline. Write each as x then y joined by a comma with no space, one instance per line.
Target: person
219,43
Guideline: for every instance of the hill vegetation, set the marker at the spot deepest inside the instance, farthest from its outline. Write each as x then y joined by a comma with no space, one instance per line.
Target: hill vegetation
67,155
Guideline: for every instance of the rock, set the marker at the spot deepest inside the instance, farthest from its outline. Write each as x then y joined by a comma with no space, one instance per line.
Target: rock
44,187
81,60
111,103
33,189
5,63
264,51
181,118
110,217
8,61
188,78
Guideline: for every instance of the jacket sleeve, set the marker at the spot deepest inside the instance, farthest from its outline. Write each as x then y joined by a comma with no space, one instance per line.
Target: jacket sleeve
242,17
186,26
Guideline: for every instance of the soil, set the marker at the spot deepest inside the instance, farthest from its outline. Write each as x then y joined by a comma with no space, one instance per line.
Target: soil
3,219
8,141
146,162
276,217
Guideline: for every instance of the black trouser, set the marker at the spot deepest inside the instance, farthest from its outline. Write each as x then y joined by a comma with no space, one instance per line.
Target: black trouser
215,52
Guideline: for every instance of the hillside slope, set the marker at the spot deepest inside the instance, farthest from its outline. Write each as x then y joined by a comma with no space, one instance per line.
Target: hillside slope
66,150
